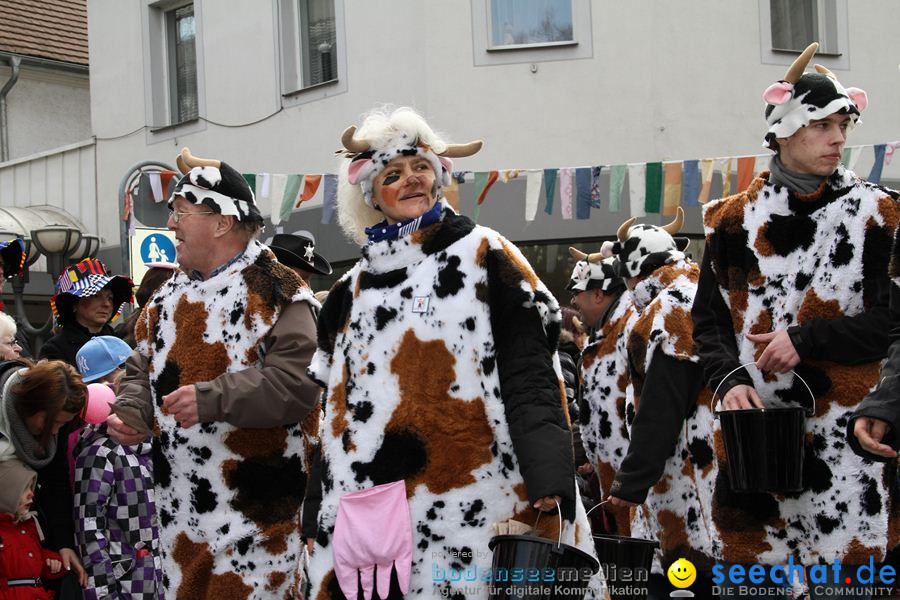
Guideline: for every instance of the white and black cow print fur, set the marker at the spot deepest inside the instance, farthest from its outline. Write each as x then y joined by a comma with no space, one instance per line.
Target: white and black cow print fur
782,260
228,498
222,189
407,354
647,248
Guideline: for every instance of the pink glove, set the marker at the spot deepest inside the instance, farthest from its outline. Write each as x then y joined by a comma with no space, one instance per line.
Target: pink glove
373,529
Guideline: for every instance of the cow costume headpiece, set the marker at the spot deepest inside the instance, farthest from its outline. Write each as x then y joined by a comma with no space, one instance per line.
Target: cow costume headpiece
384,135
641,249
594,272
215,185
803,97
368,160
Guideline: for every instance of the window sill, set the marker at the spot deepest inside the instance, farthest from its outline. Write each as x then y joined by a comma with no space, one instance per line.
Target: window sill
316,86
165,128
798,52
543,46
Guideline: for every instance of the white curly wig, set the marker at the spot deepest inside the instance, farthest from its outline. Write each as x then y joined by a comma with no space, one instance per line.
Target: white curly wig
381,128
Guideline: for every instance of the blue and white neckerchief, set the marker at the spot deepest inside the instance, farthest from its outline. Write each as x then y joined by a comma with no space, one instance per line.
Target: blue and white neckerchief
382,231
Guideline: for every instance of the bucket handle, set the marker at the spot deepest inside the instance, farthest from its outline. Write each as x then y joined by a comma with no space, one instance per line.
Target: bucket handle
559,514
712,402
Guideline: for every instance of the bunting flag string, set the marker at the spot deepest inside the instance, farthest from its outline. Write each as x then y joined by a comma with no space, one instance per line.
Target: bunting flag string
653,187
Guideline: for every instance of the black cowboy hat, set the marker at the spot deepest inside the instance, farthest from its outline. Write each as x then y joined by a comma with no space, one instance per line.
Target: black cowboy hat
12,257
298,250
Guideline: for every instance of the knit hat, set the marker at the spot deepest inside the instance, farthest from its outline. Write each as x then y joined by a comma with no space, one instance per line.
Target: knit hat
215,185
366,161
85,279
101,356
803,97
12,256
641,249
594,272
15,478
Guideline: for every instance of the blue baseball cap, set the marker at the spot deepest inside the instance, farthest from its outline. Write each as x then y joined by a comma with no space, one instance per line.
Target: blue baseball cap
101,356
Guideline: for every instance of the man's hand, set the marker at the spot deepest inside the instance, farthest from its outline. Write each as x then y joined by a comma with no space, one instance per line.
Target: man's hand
585,469
182,404
548,503
780,356
741,396
870,431
54,565
122,433
619,502
70,561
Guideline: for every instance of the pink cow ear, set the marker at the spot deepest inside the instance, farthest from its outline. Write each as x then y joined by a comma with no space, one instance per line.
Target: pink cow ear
778,93
859,97
448,170
355,167
606,249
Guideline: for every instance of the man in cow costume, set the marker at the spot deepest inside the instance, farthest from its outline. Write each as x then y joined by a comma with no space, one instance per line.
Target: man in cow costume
599,294
219,377
669,464
443,406
795,278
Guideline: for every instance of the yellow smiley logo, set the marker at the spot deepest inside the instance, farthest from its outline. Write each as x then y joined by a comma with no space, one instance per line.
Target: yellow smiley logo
682,573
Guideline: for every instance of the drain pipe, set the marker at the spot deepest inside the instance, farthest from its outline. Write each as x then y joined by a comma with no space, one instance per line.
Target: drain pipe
14,62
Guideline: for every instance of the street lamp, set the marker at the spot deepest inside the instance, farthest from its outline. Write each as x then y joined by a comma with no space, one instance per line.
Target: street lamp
87,248
57,243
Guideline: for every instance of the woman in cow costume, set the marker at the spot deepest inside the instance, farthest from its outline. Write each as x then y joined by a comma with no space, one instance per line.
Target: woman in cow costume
599,293
795,277
443,395
669,466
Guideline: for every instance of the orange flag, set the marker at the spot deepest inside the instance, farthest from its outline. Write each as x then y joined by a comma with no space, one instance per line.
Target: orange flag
310,186
746,164
672,187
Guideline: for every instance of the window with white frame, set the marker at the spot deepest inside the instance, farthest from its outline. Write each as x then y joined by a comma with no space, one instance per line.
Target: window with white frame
181,36
788,26
518,23
529,31
311,43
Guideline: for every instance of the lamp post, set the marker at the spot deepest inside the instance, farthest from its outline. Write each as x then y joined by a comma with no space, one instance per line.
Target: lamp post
58,243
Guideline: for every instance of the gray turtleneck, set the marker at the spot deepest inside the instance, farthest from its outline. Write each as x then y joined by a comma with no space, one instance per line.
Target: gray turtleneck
801,183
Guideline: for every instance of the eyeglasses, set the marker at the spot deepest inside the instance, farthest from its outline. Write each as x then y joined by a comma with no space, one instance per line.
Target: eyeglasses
178,215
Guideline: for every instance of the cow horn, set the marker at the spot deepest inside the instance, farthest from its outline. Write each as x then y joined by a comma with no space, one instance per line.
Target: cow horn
795,72
595,258
181,166
190,161
351,144
824,71
675,226
577,254
462,150
622,233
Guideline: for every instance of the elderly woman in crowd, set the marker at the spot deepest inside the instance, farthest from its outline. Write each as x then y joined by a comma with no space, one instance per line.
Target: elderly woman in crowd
9,346
443,406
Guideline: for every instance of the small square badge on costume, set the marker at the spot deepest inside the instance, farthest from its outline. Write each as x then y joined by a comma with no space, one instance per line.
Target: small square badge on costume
420,304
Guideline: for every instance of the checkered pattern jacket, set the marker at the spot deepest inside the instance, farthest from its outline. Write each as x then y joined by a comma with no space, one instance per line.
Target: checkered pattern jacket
115,518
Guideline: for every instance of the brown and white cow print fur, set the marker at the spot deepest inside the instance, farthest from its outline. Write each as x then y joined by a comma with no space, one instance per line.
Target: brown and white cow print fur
407,354
606,391
228,498
677,509
780,260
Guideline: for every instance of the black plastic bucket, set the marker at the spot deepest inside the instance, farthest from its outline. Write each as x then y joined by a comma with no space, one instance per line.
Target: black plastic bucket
534,568
626,563
764,448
